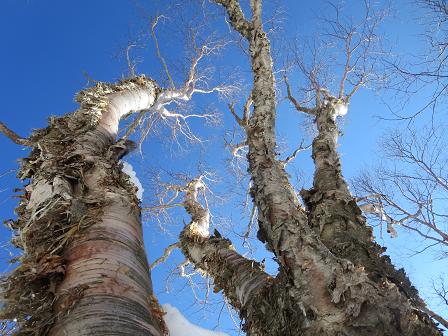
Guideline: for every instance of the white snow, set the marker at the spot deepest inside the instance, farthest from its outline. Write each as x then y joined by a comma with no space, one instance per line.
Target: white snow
129,170
178,325
341,109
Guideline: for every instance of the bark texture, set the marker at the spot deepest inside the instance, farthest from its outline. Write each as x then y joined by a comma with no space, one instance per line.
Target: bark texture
334,214
243,281
83,270
333,279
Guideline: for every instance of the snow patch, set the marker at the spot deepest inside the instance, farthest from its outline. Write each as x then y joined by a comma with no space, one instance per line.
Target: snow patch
178,325
341,109
129,170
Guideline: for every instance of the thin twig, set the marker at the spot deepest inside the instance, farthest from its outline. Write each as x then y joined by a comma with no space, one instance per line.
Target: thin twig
294,154
159,54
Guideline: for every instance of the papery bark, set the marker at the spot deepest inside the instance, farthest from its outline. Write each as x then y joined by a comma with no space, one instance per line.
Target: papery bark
245,284
323,292
80,227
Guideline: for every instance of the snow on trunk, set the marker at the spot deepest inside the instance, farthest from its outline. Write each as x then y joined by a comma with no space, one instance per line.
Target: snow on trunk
129,170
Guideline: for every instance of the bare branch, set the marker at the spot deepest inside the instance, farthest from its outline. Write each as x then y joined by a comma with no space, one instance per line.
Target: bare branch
237,118
256,13
195,83
253,214
359,63
237,19
435,316
13,136
131,65
246,109
296,104
299,149
243,122
164,257
417,172
441,290
159,54
238,277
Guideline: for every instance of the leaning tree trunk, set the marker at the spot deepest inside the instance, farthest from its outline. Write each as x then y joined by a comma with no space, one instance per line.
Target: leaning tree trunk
332,278
84,270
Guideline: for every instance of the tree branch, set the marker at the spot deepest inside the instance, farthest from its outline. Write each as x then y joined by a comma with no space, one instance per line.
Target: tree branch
294,154
166,254
13,136
236,16
159,54
240,279
296,104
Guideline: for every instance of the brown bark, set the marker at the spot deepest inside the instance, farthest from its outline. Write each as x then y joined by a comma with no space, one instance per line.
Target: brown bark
263,303
84,270
319,290
243,281
334,214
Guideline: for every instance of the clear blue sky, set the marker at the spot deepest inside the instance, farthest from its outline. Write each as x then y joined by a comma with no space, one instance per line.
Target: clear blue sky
48,45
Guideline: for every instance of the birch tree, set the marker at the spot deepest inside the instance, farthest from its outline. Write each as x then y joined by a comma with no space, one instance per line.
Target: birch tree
333,278
404,193
427,69
79,225
418,174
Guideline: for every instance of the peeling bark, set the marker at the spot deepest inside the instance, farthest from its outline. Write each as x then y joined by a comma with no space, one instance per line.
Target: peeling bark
259,298
323,292
334,213
239,277
84,270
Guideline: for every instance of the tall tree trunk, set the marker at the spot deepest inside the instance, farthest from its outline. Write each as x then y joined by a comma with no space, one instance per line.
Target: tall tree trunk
84,270
324,287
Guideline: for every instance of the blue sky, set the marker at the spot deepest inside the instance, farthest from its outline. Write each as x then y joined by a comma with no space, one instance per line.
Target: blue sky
47,48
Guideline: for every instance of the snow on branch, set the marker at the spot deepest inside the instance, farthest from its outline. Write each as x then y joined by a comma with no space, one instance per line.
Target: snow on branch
341,109
377,209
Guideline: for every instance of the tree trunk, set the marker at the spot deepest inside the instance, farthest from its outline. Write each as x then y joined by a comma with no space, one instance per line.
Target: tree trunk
84,270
